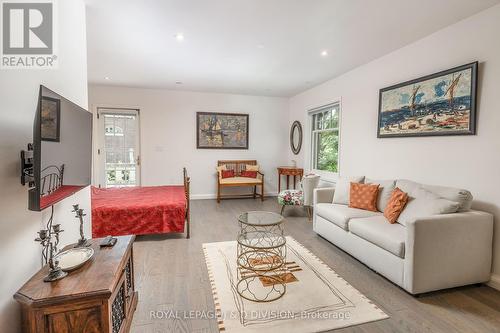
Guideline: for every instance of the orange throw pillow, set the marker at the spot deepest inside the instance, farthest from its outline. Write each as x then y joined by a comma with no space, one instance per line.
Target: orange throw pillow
363,196
395,206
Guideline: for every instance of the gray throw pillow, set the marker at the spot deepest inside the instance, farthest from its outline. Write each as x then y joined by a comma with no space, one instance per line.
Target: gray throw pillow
343,187
384,191
422,203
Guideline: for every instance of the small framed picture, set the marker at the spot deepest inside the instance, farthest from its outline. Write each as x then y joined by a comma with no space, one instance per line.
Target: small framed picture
50,119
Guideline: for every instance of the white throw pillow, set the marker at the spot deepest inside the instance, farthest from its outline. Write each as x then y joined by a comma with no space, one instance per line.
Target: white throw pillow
422,203
384,191
221,167
250,167
343,187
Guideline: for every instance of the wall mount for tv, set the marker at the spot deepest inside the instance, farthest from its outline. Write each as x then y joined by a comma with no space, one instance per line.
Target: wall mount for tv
27,166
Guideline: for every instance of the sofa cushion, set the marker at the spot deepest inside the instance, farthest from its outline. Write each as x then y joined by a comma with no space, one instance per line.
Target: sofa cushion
384,191
341,214
376,230
240,180
342,187
422,203
461,196
407,186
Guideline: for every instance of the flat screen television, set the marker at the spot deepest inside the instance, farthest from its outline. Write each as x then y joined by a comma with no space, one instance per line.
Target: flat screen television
62,150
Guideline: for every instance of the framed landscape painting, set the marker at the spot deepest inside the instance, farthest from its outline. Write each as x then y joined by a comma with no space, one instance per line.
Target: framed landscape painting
221,130
439,104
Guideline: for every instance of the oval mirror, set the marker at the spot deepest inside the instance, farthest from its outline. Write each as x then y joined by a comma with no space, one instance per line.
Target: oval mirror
296,137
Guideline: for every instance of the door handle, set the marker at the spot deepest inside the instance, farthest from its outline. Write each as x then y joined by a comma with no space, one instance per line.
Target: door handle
138,161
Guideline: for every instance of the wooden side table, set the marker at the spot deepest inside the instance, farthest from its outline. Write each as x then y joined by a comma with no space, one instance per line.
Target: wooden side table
289,171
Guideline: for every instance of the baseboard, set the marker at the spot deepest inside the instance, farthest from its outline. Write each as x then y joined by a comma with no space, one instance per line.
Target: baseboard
213,196
494,281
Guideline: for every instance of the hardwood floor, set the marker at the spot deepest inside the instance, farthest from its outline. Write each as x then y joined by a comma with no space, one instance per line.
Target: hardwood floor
171,276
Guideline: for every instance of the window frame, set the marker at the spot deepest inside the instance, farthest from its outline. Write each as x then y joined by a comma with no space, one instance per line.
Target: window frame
325,175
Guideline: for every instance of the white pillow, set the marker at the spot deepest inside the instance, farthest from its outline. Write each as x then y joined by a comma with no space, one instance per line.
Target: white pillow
249,167
221,167
384,191
422,203
343,187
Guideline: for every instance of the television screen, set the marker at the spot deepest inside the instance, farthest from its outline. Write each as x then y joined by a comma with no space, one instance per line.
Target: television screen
62,150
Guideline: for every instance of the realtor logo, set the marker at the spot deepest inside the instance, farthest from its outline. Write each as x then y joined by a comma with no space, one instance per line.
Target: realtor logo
28,34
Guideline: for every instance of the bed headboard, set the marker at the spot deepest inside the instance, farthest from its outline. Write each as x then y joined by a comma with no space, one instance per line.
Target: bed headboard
52,179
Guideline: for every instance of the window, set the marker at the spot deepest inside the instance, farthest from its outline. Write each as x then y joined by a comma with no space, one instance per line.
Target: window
325,138
119,147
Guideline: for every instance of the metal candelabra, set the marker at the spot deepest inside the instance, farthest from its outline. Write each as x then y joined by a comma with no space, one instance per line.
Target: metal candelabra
49,239
82,242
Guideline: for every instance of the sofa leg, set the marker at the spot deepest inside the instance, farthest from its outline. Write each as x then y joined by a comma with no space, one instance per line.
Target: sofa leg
254,192
262,193
218,194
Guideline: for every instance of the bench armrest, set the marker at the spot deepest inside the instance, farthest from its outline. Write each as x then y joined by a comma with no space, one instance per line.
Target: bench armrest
323,195
448,250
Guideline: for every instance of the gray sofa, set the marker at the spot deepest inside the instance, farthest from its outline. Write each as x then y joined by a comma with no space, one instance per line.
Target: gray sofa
424,253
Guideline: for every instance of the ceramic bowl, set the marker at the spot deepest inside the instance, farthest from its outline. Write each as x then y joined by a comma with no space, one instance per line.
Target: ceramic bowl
74,258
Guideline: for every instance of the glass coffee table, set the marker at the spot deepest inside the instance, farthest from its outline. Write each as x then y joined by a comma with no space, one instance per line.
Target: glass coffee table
261,256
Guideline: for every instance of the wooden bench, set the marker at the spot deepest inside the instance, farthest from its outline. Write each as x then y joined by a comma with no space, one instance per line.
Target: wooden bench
238,166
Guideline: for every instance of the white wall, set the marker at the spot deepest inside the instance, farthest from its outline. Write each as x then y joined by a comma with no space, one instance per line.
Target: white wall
471,162
168,133
19,254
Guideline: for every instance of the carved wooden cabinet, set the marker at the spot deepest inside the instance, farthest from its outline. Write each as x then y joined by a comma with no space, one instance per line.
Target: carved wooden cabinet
97,298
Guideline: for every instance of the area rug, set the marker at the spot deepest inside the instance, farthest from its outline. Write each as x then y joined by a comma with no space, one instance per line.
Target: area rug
316,298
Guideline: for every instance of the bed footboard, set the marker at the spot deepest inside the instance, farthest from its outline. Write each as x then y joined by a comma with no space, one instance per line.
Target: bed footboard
187,182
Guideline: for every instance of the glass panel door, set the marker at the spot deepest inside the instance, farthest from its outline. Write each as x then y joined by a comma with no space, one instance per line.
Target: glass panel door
120,158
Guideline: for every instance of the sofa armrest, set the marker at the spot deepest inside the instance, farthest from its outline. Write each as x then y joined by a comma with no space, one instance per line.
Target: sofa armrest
448,250
260,175
323,195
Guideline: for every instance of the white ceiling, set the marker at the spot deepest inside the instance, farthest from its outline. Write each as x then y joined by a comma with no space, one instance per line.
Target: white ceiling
258,47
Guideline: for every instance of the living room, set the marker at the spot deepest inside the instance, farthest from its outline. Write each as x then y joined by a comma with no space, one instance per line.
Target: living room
258,166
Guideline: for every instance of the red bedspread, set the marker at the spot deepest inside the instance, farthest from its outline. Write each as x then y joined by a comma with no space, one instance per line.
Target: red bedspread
138,210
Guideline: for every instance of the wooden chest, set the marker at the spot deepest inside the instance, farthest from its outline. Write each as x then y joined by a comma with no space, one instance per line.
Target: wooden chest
97,298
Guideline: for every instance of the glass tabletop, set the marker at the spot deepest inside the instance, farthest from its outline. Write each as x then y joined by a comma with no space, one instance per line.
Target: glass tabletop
260,218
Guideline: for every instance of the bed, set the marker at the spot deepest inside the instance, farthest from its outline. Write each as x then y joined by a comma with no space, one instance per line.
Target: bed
141,210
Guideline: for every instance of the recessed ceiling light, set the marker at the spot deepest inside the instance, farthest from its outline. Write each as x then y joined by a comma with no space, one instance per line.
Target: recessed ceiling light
107,78
179,36
178,82
260,46
324,53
